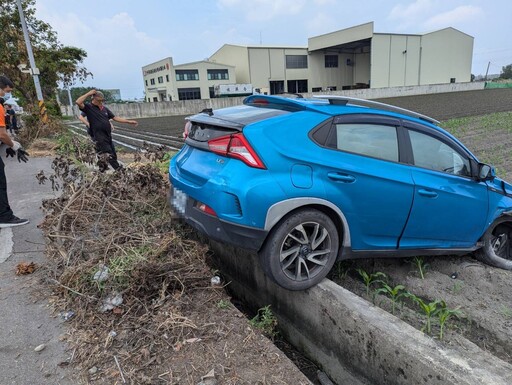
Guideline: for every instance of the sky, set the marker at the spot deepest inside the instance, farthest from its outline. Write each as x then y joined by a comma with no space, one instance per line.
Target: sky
121,36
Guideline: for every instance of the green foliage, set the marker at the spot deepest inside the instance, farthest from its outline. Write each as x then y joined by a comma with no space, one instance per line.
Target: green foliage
506,311
457,287
370,279
421,265
56,63
76,92
121,266
394,293
223,304
444,314
69,143
430,309
340,269
265,321
506,72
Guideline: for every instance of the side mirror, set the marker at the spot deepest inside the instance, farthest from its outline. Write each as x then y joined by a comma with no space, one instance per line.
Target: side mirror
485,172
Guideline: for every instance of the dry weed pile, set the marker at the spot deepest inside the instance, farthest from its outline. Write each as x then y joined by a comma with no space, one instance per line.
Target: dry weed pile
122,274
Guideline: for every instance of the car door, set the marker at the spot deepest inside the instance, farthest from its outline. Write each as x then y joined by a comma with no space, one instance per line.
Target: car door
363,176
449,208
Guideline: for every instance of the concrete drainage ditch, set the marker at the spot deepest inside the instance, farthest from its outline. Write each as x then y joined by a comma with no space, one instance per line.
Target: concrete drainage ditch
353,341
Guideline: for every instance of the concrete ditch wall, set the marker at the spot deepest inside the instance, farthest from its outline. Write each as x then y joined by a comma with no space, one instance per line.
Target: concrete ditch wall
185,107
354,341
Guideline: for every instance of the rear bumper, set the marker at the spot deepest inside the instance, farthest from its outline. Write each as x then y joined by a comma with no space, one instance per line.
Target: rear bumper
240,236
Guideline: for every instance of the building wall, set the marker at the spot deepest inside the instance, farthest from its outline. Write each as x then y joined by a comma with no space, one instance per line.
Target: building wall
204,83
162,68
236,56
446,54
395,60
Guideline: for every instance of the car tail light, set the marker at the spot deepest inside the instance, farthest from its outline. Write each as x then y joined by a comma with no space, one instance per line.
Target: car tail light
186,129
205,208
236,146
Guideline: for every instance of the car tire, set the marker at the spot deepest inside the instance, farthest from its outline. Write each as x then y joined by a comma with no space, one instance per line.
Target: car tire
497,248
300,250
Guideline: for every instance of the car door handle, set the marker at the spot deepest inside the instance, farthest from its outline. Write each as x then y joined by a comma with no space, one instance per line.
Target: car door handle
427,193
341,177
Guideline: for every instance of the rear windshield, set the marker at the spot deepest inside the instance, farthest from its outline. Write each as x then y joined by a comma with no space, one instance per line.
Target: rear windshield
236,117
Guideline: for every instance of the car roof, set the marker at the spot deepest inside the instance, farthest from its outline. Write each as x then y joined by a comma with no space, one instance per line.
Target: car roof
333,105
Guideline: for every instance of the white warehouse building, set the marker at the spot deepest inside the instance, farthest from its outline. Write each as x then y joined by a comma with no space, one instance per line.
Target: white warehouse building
355,57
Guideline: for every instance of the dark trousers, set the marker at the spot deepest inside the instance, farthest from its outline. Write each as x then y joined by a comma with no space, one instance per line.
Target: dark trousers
5,209
105,146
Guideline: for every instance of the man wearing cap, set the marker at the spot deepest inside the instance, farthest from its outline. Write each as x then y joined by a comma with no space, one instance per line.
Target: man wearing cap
7,218
99,117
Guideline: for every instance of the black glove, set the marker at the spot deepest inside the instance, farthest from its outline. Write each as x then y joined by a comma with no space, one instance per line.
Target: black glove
22,155
10,152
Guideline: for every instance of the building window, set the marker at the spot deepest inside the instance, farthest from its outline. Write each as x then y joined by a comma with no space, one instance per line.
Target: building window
331,61
152,81
160,79
189,93
167,78
316,89
297,86
217,74
296,61
187,75
146,83
155,99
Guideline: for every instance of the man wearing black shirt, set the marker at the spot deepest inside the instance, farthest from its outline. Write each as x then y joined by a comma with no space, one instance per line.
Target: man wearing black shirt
99,118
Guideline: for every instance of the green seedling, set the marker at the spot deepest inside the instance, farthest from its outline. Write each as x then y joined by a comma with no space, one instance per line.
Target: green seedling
394,293
266,321
370,279
341,269
223,304
430,309
444,314
506,311
457,287
421,265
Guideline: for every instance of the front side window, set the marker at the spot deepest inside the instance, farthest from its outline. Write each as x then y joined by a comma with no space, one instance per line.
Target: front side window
377,141
432,153
187,75
160,79
296,61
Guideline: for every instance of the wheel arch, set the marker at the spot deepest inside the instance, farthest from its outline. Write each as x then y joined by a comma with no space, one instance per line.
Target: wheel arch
284,208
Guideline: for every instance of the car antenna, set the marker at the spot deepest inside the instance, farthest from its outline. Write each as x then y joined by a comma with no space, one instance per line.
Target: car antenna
208,111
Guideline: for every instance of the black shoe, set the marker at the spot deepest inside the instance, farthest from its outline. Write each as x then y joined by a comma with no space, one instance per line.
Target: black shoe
14,221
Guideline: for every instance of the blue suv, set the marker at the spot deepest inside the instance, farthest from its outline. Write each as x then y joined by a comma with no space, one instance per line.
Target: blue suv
307,181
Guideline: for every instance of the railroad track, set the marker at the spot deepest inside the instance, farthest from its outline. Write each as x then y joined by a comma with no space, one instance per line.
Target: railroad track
133,139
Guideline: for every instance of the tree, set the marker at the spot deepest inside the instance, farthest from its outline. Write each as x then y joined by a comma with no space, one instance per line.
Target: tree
56,63
506,72
76,92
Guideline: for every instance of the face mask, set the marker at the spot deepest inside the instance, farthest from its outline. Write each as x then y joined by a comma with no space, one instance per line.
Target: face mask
7,95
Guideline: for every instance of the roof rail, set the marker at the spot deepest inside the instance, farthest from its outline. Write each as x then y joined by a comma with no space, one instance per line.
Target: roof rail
344,100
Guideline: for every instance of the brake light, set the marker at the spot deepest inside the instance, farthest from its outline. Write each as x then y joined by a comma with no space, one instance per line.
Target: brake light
186,130
236,146
205,208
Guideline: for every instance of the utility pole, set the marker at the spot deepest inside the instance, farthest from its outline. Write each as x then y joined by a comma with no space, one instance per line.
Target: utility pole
33,69
486,72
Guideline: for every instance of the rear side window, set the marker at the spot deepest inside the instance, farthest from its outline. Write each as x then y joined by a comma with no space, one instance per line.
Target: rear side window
377,141
431,153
